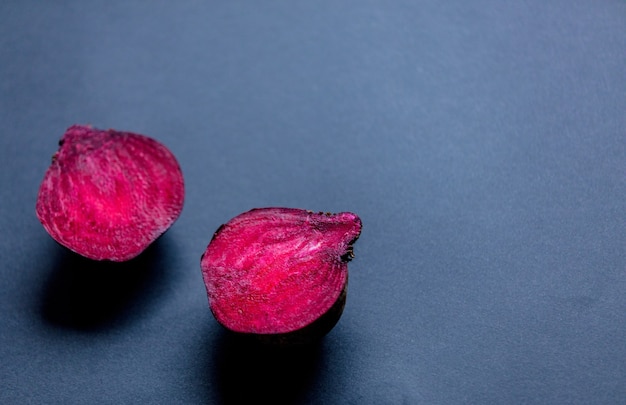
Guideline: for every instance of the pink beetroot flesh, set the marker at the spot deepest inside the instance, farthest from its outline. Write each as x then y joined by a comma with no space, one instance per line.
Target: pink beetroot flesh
108,195
278,270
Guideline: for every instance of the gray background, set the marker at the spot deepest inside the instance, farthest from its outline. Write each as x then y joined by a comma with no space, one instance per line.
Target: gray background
483,144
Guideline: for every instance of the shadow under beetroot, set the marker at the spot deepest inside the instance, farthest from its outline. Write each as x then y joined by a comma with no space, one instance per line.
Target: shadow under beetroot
88,295
244,371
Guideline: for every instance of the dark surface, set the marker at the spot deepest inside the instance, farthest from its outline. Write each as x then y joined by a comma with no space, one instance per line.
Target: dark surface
483,144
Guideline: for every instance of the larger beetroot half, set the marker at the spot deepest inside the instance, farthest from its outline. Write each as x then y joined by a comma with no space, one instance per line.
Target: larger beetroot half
108,195
280,274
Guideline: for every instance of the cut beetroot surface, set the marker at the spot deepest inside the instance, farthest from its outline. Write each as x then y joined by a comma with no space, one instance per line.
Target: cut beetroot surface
108,195
278,271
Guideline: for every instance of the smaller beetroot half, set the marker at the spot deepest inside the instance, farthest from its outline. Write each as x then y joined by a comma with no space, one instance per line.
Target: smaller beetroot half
280,274
108,194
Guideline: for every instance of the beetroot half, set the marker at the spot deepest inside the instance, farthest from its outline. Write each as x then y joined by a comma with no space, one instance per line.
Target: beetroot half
108,195
280,274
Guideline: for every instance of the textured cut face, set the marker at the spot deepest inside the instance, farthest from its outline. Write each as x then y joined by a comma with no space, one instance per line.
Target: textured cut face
108,195
277,270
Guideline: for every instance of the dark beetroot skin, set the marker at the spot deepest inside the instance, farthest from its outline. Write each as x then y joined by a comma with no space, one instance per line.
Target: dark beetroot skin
280,274
108,195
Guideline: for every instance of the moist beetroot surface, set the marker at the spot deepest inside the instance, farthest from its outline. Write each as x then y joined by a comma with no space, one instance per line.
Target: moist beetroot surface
275,271
108,194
